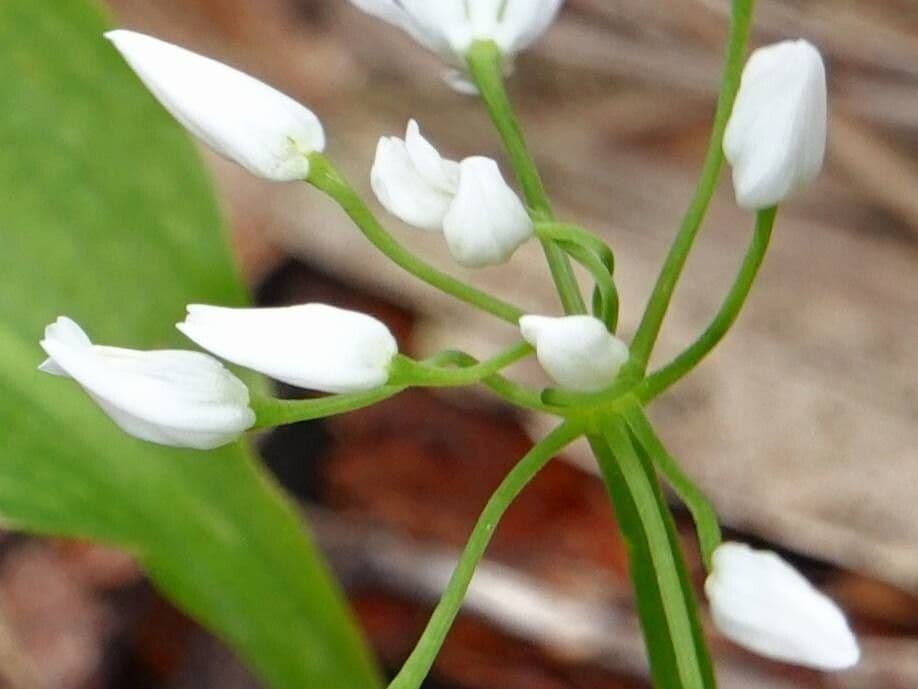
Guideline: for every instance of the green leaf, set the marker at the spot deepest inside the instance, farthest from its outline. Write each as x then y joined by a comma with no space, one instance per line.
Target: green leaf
676,647
106,216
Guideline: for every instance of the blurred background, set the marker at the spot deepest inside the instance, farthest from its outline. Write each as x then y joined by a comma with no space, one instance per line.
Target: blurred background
802,427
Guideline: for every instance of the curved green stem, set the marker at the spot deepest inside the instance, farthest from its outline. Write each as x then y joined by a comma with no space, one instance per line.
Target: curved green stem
706,523
408,372
422,657
649,329
605,297
726,316
324,176
564,232
485,63
272,412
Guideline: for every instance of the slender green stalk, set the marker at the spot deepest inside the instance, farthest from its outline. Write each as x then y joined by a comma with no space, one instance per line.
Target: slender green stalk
417,666
726,316
564,232
649,329
706,523
405,371
605,298
272,412
324,176
664,561
485,63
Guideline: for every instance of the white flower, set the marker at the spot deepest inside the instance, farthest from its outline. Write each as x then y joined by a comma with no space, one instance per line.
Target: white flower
170,397
412,181
311,346
486,221
238,116
762,603
482,217
449,27
578,352
776,136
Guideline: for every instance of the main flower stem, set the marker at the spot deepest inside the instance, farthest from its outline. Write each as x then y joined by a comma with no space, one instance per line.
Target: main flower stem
485,63
726,316
325,177
425,652
649,329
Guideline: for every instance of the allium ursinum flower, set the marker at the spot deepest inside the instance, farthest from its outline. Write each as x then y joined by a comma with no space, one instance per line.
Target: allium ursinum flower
776,136
762,603
311,346
239,117
578,352
170,397
449,27
482,218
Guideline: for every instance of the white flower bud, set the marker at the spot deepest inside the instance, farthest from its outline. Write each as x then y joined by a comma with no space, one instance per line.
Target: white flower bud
412,181
776,136
239,117
170,397
311,346
578,352
449,27
486,222
762,603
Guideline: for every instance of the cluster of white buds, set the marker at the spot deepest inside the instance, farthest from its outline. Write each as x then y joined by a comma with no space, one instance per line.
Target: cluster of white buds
482,218
450,27
775,140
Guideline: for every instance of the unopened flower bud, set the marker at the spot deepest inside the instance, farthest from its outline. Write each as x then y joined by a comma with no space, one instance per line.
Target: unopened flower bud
776,136
170,397
239,117
311,346
762,603
578,352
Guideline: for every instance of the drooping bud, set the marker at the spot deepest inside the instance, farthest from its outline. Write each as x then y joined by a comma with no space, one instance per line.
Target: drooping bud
762,603
239,117
776,136
170,397
578,352
311,346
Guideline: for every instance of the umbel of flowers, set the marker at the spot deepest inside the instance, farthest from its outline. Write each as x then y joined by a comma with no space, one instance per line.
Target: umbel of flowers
770,126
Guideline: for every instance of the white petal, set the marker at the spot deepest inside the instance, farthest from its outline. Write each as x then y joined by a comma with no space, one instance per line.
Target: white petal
177,398
486,221
578,352
524,21
403,190
762,603
238,116
431,166
776,136
311,346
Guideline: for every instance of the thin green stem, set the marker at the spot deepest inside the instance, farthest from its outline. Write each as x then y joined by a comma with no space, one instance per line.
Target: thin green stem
564,232
726,316
272,412
660,548
408,372
657,306
503,387
706,523
605,299
422,657
485,63
324,176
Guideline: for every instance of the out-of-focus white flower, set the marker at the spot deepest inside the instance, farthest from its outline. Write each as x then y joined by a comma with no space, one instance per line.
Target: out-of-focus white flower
239,117
776,136
312,346
412,181
482,217
486,221
170,397
449,27
578,352
762,603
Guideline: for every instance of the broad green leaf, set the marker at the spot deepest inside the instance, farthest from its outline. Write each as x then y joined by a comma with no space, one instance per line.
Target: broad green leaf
106,216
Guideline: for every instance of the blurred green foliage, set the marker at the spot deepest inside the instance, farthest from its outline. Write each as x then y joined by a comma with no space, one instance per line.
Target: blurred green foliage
106,216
